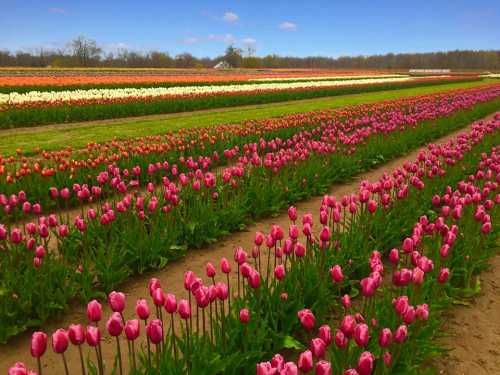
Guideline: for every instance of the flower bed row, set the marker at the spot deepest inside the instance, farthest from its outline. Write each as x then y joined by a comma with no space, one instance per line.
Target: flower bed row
70,178
38,113
151,83
136,232
386,304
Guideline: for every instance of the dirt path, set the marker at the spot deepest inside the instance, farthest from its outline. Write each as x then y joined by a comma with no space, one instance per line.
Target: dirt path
474,331
172,277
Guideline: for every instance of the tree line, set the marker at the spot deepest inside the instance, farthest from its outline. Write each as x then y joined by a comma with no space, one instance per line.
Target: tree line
84,52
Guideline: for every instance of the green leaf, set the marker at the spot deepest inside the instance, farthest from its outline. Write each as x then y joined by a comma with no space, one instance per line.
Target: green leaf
290,343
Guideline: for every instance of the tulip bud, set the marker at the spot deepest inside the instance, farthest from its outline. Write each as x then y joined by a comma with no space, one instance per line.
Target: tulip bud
93,336
210,270
38,344
114,325
184,309
244,316
323,368
154,330
325,333
385,338
336,274
76,334
132,329
305,362
142,309
318,347
116,301
60,341
365,363
307,319
361,335
170,303
94,311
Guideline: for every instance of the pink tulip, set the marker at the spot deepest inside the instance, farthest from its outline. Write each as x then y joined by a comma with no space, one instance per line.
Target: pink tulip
387,358
244,316
394,256
443,275
365,363
94,311
114,325
305,362
184,309
76,334
307,319
265,368
154,330
348,325
38,344
170,303
210,270
323,368
346,301
401,334
341,339
336,274
351,372
132,329
361,335
289,368
116,301
225,266
325,333
142,309
292,213
279,272
60,341
385,338
317,347
158,297
93,336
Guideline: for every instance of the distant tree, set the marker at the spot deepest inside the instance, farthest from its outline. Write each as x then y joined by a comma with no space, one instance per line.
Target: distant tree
85,50
233,56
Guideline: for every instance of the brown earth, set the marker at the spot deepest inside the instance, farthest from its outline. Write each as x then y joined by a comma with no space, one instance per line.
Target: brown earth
473,332
171,278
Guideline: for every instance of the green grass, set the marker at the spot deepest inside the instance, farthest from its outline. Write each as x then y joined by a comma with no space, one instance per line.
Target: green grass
78,135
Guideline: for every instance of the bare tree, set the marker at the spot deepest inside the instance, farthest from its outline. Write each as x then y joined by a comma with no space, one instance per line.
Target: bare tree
85,50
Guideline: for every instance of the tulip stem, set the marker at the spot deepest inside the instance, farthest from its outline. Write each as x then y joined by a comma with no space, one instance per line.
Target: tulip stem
149,344
65,364
228,293
81,359
39,362
132,345
119,354
157,356
173,337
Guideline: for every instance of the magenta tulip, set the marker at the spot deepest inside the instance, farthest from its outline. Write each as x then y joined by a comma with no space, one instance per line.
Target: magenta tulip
305,362
60,341
142,309
154,330
38,344
132,329
94,311
323,368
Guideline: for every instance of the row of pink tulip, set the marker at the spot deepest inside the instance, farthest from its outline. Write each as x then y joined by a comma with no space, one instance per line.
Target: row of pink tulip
159,220
425,257
215,146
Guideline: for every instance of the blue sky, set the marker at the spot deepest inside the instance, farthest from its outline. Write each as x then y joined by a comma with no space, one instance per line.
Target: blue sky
301,28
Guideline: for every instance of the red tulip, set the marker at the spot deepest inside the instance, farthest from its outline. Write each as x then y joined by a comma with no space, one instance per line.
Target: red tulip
305,362
132,329
116,301
307,319
244,316
154,330
348,325
365,363
318,347
60,341
323,368
325,333
225,266
184,309
361,335
76,334
336,274
401,334
279,272
210,270
114,325
94,311
170,303
38,344
93,336
142,309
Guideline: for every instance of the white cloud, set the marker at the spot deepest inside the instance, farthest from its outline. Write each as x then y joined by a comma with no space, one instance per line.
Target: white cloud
248,41
288,26
57,10
230,17
217,38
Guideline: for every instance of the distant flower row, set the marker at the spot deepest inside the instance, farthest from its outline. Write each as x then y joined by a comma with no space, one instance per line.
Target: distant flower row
69,96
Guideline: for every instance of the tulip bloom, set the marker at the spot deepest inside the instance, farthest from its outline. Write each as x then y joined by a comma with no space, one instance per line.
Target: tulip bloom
94,311
323,368
307,319
60,343
142,309
116,301
365,363
244,316
305,362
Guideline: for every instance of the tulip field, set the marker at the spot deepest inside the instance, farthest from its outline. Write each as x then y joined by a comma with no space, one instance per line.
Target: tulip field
358,287
24,104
